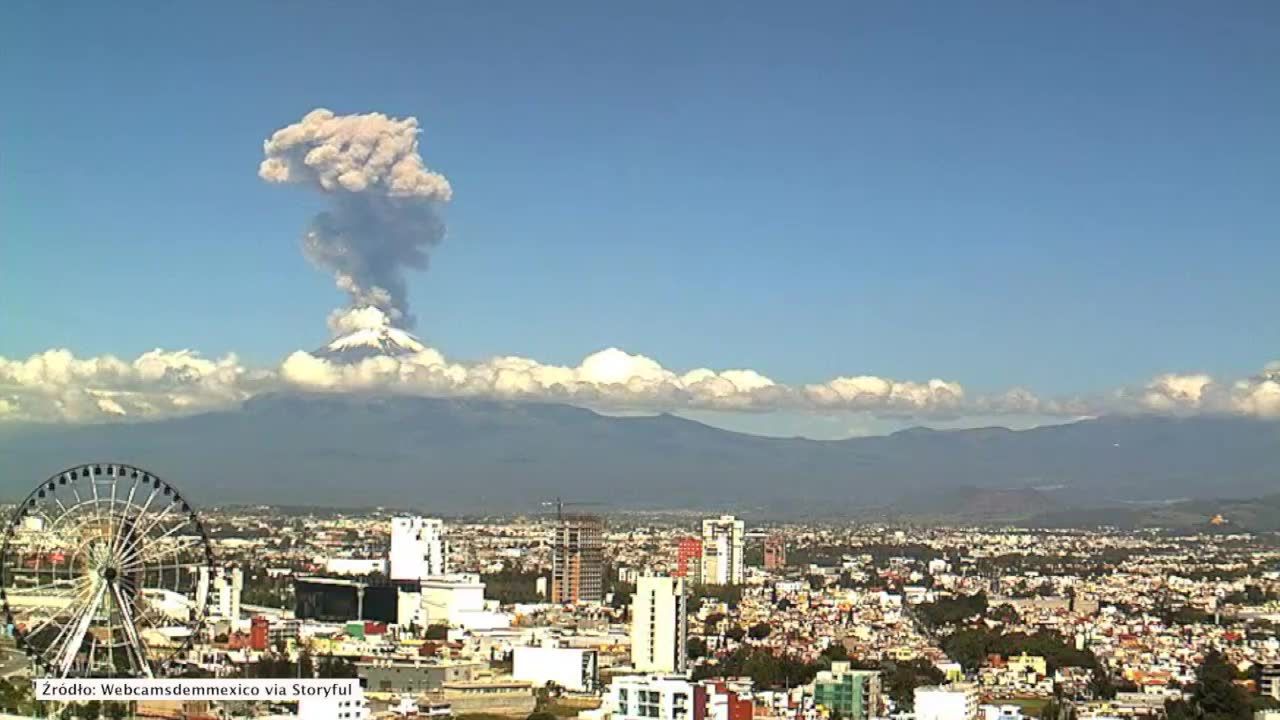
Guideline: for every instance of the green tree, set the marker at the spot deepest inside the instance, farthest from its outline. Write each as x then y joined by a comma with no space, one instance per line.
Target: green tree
1216,695
696,648
1101,685
335,667
759,631
902,678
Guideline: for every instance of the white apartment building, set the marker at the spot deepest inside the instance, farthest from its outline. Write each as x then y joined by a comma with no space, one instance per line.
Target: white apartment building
418,548
574,669
226,584
722,550
650,697
659,625
947,702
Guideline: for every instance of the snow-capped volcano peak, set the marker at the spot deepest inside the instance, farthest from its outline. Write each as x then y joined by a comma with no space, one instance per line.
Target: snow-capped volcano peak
368,334
386,341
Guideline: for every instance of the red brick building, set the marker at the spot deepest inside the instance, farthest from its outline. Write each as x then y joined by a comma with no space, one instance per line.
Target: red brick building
259,633
688,558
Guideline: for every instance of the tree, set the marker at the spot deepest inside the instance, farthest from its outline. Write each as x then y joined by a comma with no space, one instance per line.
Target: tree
735,633
306,667
1005,613
1216,695
759,631
335,667
949,611
696,648
712,624
902,679
836,652
768,670
730,595
512,586
1101,686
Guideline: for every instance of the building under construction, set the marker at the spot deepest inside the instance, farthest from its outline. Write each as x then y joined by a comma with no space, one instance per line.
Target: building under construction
577,559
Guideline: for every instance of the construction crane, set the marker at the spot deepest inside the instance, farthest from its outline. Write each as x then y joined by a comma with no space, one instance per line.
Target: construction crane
560,504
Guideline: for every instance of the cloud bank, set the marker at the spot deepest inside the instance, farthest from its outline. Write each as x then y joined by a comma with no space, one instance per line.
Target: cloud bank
57,386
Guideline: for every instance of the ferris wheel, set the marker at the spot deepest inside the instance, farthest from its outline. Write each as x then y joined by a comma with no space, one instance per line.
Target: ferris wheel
105,573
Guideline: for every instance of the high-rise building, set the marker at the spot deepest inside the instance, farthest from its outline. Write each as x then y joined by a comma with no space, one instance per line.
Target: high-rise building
722,540
775,552
852,694
418,548
577,559
659,625
689,559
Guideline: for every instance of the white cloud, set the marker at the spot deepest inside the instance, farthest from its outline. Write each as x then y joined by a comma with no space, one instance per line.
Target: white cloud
57,386
1258,395
1171,392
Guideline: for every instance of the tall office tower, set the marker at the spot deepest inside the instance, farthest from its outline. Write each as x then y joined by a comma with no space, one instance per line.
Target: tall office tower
775,552
577,559
418,548
659,625
689,559
722,562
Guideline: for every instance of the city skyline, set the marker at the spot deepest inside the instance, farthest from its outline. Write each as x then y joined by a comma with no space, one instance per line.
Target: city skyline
956,239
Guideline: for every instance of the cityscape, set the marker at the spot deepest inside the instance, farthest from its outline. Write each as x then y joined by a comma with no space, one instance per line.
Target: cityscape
568,613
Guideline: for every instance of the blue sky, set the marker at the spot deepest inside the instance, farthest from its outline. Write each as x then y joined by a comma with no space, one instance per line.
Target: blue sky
1063,196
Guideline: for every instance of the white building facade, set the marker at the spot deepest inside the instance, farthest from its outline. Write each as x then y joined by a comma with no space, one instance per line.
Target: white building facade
946,702
457,600
574,669
722,550
659,625
653,697
418,548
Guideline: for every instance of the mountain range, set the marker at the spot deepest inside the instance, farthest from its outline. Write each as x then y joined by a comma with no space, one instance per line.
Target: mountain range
465,455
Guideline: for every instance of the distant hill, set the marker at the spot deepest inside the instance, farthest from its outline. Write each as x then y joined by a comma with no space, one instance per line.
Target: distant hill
1223,515
450,455
976,505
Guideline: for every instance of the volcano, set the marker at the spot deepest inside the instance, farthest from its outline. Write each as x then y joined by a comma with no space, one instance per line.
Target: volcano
370,342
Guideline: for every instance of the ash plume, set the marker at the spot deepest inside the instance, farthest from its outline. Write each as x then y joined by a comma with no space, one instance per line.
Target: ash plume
383,200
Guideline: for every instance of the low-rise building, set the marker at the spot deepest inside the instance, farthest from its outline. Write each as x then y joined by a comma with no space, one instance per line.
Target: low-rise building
574,669
851,694
946,702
